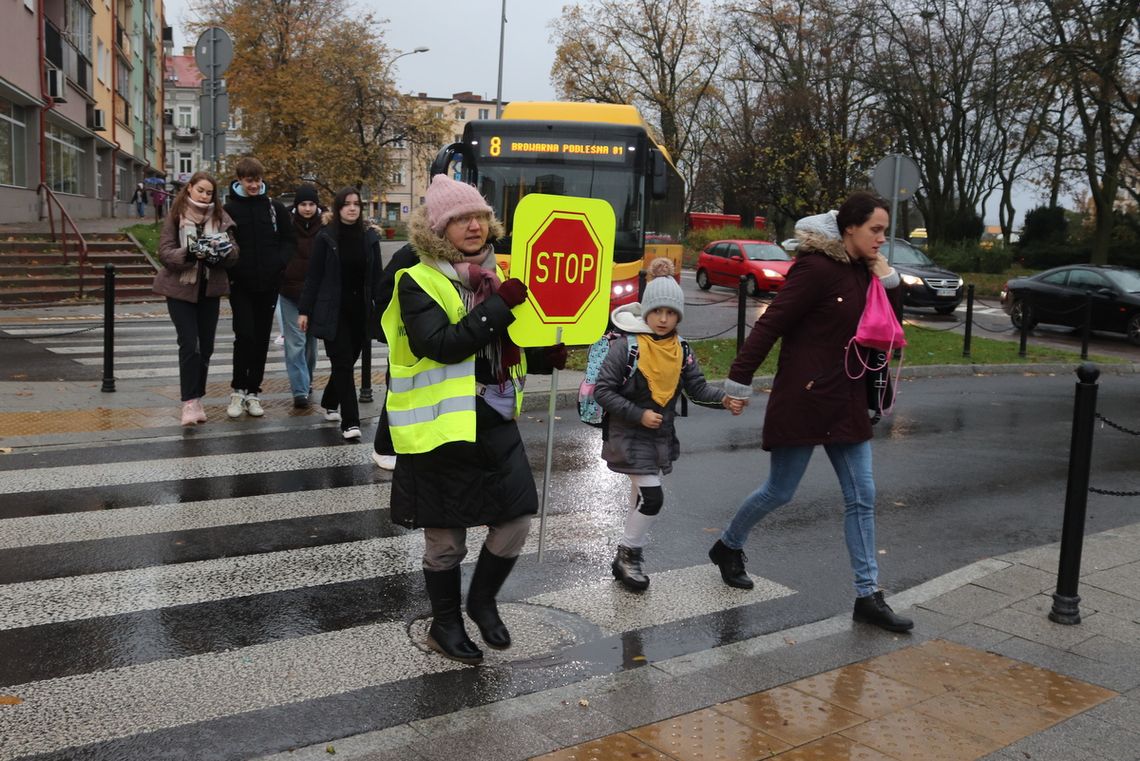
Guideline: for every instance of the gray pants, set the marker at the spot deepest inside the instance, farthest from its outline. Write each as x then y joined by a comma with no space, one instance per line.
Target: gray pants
445,548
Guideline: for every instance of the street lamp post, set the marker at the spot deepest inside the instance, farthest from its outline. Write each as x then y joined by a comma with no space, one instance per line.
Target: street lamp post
411,145
499,89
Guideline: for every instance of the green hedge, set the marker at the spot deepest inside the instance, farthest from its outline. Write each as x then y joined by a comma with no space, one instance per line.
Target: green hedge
696,240
970,257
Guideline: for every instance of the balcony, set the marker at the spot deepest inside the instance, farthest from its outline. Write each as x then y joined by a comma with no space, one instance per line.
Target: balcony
185,133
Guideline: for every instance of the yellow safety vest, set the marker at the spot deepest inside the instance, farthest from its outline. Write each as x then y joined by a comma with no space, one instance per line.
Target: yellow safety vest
429,403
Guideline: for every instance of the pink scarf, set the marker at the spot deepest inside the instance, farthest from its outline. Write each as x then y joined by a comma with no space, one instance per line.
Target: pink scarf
483,283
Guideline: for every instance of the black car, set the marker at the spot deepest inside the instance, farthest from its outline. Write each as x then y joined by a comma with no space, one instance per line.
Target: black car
1057,297
925,284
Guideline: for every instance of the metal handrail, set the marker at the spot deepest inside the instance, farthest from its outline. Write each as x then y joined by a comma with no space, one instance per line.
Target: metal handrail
64,220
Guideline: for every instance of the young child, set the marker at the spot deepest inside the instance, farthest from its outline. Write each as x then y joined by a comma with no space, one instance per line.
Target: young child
637,432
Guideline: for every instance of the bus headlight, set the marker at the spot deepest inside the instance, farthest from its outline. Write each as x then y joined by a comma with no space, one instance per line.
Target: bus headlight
623,289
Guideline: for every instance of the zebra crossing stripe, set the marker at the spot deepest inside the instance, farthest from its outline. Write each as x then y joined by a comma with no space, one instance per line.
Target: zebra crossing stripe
177,469
188,516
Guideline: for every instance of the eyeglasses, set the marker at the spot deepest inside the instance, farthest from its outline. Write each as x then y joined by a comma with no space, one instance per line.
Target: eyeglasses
481,217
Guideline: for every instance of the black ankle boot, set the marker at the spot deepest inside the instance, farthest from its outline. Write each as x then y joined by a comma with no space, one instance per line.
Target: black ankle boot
731,564
873,609
446,635
490,573
627,568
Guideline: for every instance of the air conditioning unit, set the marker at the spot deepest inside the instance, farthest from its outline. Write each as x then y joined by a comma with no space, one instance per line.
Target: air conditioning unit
98,119
55,86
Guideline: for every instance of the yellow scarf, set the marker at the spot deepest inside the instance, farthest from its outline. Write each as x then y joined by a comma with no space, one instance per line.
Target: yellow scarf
660,363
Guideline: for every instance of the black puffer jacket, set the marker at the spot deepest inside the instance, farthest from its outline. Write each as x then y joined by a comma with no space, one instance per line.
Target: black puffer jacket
264,234
320,298
462,484
306,231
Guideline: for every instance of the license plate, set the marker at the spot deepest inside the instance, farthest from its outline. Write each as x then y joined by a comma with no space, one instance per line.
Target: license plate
945,291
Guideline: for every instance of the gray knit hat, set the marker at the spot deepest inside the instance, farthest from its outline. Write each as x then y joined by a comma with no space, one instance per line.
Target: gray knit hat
663,290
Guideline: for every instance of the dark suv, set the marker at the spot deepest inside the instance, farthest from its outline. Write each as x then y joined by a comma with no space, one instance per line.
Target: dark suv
925,284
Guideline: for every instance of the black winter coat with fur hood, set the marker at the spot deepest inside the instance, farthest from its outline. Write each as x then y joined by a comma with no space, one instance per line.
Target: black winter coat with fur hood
461,484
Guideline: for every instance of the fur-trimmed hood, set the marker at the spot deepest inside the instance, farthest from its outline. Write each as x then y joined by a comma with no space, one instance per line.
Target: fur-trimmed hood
628,318
830,247
429,246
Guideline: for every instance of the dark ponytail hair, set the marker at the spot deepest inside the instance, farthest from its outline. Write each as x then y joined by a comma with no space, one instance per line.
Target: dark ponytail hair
858,208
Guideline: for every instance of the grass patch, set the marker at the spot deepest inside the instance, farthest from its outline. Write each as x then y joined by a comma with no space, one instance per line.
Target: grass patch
989,285
924,347
146,234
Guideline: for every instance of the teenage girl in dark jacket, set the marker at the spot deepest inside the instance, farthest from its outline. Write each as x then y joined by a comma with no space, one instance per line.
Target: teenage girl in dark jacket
339,302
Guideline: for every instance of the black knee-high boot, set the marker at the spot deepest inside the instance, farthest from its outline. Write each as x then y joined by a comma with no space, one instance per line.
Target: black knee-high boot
446,635
490,573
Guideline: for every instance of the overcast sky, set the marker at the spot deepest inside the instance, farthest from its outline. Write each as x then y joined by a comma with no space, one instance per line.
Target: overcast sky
463,41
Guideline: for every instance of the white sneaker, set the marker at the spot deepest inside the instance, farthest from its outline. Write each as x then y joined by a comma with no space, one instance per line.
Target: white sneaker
253,406
279,341
333,416
237,404
384,461
351,433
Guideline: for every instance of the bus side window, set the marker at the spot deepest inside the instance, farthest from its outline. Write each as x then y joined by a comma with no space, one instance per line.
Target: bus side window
660,183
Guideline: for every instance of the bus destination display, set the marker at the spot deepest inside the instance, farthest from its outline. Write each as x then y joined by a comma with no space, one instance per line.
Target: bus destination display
530,147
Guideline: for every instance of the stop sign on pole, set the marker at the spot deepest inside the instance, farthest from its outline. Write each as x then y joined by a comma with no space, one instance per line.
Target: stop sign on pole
562,247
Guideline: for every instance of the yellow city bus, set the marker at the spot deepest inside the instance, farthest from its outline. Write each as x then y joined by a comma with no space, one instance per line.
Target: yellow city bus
592,150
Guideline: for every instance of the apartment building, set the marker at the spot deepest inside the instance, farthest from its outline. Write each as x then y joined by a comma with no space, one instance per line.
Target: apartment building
80,104
410,180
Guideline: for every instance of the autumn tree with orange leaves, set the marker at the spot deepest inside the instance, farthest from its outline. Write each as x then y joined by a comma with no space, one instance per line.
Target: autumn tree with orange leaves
312,79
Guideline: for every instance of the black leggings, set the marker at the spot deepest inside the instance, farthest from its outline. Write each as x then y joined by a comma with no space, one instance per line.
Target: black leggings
196,325
343,351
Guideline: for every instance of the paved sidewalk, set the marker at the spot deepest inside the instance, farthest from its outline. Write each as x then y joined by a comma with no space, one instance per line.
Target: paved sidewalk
985,674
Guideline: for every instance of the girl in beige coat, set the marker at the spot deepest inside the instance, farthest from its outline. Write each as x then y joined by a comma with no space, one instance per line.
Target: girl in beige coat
196,242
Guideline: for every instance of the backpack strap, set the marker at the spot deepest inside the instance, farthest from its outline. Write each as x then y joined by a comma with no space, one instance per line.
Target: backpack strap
631,360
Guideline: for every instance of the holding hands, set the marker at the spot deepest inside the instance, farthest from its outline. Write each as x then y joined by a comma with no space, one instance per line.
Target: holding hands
735,406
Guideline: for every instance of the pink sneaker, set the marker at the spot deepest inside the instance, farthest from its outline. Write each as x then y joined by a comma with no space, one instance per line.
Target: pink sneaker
189,416
199,413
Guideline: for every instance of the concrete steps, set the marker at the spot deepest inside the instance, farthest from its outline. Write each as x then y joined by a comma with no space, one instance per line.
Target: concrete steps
33,270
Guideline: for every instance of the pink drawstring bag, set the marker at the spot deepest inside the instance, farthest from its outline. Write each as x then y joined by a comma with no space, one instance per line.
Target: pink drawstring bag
877,335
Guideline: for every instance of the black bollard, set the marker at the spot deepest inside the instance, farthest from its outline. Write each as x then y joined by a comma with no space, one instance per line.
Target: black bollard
1066,602
969,320
366,369
1086,329
108,328
741,308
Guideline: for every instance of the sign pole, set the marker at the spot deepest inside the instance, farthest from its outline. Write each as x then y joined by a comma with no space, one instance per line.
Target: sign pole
894,209
549,449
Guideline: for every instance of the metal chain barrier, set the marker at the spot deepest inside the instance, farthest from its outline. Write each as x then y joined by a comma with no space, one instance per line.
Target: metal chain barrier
52,335
1109,492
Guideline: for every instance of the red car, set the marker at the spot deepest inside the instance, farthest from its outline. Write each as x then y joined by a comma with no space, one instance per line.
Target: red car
724,261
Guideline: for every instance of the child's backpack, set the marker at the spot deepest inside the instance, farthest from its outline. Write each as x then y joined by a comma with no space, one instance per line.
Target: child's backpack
590,412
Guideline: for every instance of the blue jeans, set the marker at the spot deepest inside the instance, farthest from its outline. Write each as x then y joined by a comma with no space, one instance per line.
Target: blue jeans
300,349
852,464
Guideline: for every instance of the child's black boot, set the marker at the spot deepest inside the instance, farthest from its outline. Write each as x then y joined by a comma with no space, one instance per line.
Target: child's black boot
447,635
627,568
490,573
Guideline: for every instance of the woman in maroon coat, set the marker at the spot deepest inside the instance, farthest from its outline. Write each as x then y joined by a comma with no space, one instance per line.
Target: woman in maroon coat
813,400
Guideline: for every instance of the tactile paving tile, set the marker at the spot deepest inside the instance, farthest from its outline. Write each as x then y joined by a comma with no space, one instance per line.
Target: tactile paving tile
861,691
989,714
833,748
789,715
619,747
911,735
708,735
1045,689
967,656
926,671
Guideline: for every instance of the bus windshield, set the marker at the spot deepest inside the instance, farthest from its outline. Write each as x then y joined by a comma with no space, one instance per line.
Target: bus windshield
504,184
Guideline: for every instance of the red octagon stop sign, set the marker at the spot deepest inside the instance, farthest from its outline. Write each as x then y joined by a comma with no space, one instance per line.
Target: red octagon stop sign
564,266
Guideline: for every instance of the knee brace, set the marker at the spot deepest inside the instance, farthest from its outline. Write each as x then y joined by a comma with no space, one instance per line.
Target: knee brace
650,500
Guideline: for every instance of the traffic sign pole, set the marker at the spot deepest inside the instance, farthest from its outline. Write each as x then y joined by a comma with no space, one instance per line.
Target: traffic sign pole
549,450
894,209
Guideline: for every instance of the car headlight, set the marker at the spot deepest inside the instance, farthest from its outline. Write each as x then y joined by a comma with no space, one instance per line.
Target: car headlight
772,274
912,280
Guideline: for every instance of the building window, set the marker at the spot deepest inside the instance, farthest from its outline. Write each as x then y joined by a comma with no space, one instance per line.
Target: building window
13,146
185,162
484,113
64,161
397,178
460,114
185,116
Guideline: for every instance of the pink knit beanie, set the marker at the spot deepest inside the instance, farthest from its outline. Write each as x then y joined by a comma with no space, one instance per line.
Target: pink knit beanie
447,199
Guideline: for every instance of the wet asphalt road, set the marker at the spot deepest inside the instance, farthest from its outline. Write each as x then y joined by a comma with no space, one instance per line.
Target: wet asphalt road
967,468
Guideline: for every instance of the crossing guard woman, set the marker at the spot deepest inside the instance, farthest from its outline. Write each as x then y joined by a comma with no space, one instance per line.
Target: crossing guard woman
456,389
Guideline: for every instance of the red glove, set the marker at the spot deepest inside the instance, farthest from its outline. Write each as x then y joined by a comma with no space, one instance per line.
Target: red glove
513,291
556,356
